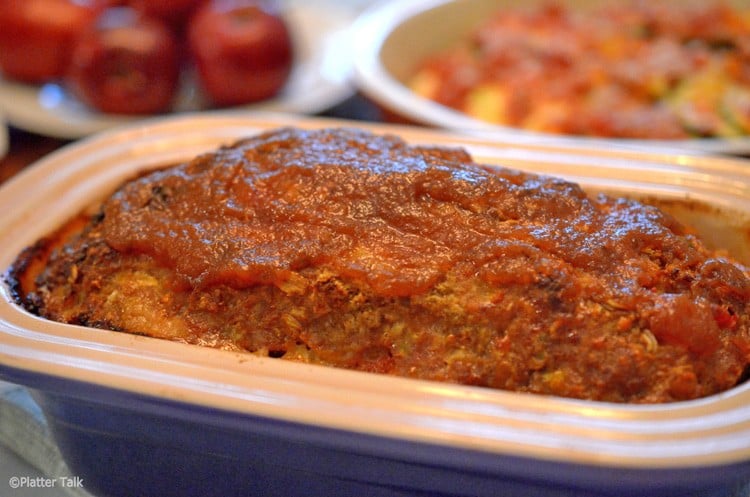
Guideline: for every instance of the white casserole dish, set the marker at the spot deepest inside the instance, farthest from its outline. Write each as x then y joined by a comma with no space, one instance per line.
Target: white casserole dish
141,416
393,37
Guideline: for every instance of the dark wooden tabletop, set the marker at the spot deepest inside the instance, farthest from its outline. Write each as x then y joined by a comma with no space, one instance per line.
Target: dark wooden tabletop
23,149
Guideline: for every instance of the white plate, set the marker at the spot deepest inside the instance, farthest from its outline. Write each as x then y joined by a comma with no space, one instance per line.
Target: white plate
319,80
393,36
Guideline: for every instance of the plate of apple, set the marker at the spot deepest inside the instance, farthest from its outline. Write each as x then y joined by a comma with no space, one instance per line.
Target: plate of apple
69,68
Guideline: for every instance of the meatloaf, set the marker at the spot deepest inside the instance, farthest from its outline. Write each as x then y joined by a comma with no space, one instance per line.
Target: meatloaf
344,248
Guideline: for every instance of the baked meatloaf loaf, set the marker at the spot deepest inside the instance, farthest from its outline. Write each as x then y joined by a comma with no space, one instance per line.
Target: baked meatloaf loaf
343,248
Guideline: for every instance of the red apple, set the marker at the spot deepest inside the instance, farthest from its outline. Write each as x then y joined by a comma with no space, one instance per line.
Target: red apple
242,50
36,36
125,63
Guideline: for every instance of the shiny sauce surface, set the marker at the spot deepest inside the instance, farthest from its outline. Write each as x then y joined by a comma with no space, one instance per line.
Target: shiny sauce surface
376,211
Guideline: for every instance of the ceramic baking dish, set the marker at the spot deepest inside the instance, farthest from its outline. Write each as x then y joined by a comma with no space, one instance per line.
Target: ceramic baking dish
140,416
393,37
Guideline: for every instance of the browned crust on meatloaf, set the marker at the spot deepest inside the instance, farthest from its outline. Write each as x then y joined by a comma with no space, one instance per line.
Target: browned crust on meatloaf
342,248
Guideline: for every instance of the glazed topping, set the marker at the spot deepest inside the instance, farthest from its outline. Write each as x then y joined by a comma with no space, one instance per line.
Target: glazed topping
388,216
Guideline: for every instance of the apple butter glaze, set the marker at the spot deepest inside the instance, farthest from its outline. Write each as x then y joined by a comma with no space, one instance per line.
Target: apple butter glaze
348,249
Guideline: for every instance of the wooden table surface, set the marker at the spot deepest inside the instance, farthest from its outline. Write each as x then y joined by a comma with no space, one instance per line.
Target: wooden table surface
23,149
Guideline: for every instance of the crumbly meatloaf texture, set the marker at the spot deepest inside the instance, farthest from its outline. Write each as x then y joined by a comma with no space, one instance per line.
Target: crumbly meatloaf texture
343,248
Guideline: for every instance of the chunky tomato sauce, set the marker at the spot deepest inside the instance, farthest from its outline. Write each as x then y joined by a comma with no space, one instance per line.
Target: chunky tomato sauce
397,221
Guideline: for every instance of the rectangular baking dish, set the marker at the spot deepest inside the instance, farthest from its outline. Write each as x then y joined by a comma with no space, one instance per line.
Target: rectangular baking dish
140,416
